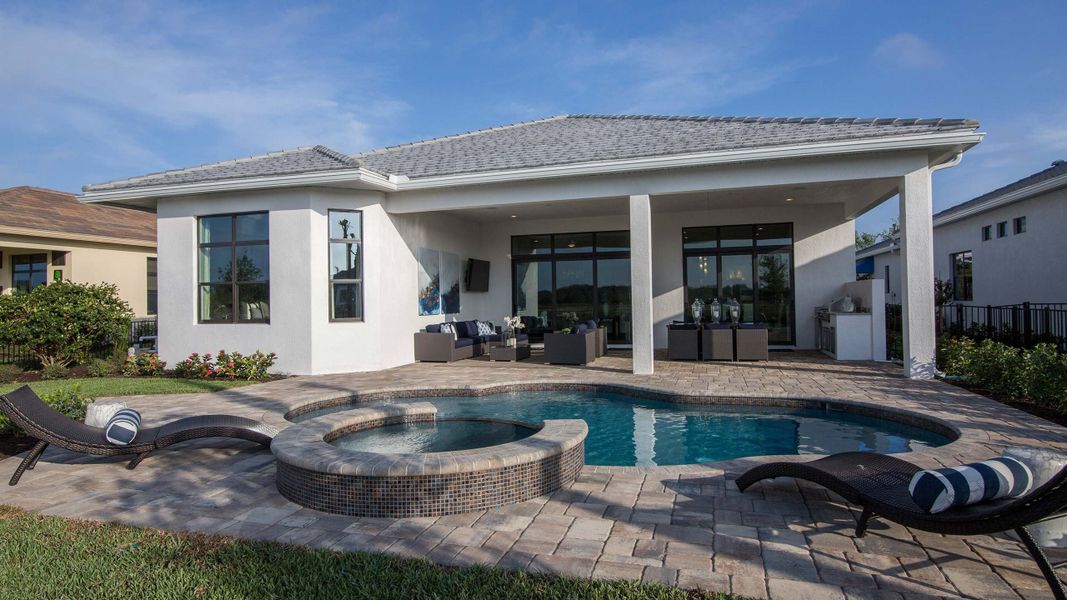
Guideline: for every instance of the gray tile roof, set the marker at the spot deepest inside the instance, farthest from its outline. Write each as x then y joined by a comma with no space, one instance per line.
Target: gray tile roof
310,159
589,138
1058,168
565,139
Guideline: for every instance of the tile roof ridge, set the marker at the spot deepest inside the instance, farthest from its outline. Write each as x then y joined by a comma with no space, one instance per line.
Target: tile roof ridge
454,136
897,121
340,157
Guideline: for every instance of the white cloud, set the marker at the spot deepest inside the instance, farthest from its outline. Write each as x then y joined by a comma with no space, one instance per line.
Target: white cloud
908,51
689,68
128,85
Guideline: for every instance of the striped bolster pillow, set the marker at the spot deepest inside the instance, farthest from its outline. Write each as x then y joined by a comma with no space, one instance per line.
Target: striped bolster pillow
937,490
122,428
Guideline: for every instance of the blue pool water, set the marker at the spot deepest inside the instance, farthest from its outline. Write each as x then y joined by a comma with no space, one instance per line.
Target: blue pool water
433,436
626,430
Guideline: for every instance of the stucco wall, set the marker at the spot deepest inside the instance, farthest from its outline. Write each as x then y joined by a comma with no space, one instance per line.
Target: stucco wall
1027,267
892,286
88,262
300,331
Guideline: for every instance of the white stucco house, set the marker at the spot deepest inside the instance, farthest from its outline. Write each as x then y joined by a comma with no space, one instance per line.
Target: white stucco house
327,258
1001,248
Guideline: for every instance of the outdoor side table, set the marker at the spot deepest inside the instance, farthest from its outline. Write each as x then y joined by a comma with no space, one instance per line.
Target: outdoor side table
718,342
751,341
683,341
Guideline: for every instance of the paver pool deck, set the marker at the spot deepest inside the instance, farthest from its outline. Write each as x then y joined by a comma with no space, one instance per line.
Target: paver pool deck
685,525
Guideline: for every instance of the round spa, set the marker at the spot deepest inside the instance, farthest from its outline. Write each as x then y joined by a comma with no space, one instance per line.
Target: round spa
400,461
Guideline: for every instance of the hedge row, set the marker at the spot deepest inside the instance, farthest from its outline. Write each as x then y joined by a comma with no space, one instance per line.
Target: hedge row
1037,375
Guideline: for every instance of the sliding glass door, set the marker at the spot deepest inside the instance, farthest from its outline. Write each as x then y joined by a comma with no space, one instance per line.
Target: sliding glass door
752,264
560,280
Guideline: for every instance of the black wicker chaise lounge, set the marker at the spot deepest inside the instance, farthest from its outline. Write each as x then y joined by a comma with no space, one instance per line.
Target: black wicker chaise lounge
47,426
879,484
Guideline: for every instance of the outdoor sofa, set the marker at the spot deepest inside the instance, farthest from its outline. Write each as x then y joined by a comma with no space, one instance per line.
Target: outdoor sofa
433,345
579,347
879,484
47,426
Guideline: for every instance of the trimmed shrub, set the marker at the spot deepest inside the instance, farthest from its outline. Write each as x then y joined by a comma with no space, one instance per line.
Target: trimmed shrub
68,401
144,365
53,371
9,373
64,322
101,367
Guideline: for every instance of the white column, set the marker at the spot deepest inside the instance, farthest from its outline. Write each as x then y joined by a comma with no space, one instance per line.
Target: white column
641,282
917,273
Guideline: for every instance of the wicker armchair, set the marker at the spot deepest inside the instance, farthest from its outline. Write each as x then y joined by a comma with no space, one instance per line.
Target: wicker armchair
47,426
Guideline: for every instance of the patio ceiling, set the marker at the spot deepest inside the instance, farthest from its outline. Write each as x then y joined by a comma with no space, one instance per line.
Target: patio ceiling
859,196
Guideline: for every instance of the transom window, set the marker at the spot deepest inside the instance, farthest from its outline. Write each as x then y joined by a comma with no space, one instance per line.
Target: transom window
234,268
963,276
29,271
346,265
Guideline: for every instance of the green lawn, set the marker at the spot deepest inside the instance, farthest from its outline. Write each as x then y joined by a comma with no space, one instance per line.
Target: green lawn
50,557
96,387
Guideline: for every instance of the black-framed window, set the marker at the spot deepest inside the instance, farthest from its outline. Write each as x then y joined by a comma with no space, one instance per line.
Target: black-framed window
29,271
987,233
887,279
153,285
752,264
1002,229
234,268
1019,225
562,279
346,265
962,276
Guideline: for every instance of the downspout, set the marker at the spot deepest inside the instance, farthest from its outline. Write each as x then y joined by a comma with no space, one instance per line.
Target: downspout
952,162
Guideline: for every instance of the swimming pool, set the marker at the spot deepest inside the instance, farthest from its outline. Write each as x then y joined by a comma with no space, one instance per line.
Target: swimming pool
627,430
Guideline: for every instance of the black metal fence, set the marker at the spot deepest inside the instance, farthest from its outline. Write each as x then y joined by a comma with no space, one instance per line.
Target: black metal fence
147,326
1021,325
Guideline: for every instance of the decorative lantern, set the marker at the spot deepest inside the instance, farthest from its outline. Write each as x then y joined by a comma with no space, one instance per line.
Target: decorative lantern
698,309
716,311
735,311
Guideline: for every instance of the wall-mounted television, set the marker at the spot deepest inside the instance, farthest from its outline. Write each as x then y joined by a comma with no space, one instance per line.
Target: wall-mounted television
477,277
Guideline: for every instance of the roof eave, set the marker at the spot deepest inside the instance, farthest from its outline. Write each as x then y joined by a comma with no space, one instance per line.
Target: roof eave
962,140
360,176
872,251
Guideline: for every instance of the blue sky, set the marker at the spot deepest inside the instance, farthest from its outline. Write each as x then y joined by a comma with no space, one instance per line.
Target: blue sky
106,90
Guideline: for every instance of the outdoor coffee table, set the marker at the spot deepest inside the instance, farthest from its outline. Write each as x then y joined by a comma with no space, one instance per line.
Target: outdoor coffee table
512,353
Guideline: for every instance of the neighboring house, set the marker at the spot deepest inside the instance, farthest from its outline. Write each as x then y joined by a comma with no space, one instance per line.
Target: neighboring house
48,236
333,260
1003,247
